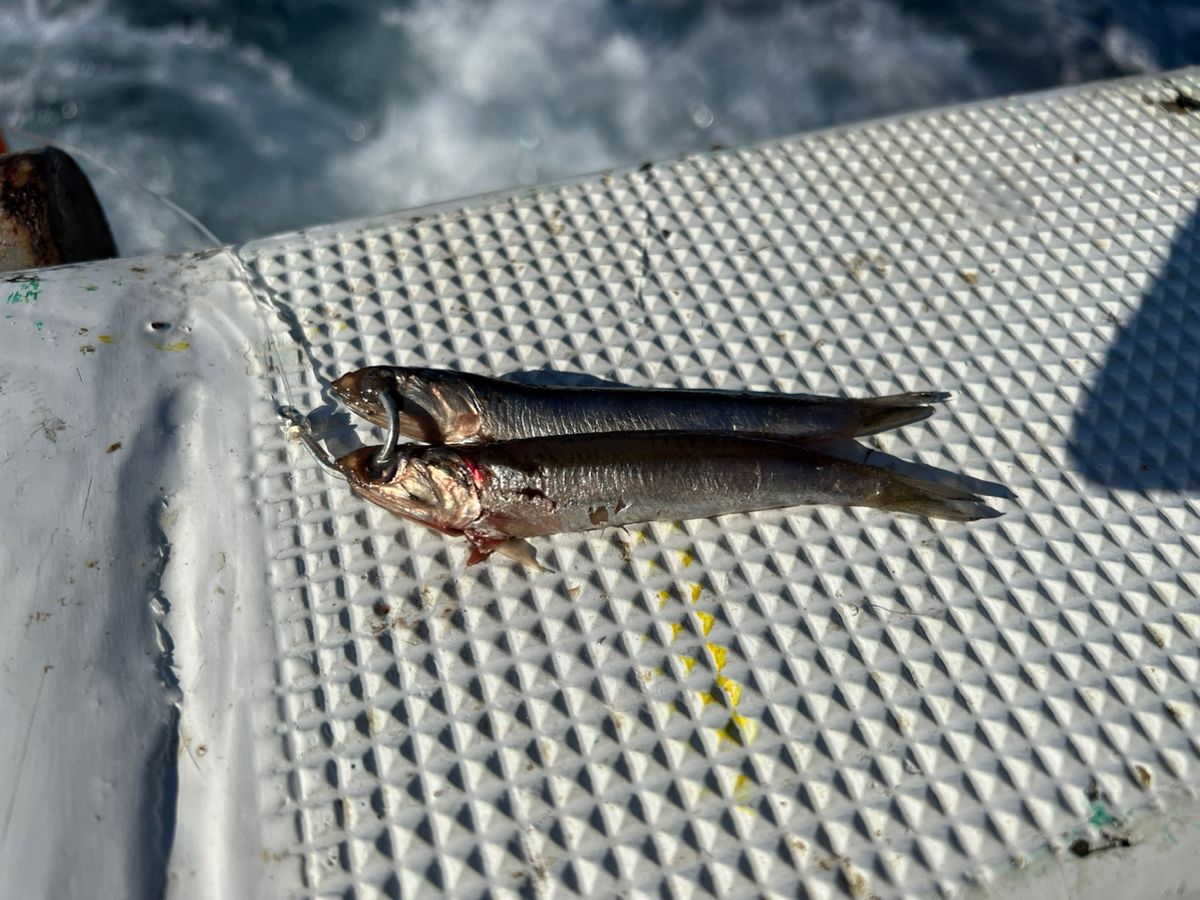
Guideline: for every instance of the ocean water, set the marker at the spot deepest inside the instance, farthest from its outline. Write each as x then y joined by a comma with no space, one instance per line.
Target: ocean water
259,116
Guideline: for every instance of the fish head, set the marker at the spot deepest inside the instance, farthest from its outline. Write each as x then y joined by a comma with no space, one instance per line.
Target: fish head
435,407
428,485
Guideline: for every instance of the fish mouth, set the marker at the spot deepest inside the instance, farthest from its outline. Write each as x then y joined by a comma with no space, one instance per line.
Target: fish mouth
360,391
359,464
366,480
435,492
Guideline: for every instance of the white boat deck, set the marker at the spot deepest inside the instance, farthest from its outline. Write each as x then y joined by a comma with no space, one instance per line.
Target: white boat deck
225,676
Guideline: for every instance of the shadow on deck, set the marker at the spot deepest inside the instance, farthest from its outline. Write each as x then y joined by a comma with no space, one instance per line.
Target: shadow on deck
1139,427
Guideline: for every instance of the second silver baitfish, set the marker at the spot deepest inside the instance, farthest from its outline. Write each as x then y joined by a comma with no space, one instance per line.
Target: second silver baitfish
499,494
441,406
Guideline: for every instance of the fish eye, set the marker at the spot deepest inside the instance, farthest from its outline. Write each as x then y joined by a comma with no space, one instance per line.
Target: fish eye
373,383
386,472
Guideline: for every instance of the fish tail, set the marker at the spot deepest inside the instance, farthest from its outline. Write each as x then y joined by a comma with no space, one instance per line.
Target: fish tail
878,414
900,493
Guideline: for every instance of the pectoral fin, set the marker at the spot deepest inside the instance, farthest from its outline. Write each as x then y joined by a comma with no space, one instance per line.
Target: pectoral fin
521,551
515,549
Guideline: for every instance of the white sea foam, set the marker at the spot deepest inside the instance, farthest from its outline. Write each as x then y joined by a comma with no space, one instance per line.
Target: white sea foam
393,105
527,91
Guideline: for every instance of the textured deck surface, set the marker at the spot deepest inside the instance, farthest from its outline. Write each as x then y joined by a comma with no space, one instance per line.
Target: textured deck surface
850,701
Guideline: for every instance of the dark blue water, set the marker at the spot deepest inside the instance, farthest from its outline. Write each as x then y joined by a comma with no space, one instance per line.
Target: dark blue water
263,115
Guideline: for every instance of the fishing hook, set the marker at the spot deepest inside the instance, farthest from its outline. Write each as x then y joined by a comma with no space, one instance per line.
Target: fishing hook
303,427
385,458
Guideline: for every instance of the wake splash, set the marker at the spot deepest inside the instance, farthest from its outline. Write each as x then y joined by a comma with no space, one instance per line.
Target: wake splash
258,120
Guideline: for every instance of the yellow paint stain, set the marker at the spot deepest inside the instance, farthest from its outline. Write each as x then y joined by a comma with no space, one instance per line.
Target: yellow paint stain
707,697
747,726
706,622
742,785
651,565
343,326
697,590
689,663
175,346
742,730
732,689
720,654
639,537
743,793
663,597
676,627
105,338
686,558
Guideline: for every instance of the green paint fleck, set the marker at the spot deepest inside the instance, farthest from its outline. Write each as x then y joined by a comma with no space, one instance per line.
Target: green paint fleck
26,293
1100,816
90,287
38,325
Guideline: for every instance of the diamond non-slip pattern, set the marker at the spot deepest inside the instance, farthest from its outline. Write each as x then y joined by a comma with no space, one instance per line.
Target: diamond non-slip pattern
817,700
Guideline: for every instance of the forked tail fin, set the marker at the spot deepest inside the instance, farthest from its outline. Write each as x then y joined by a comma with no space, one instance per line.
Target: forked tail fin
899,493
876,414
